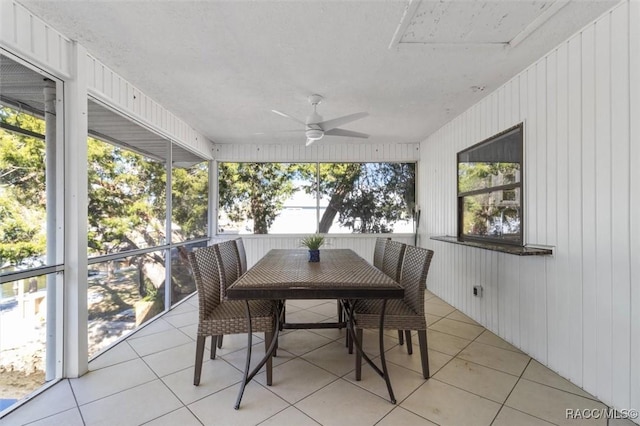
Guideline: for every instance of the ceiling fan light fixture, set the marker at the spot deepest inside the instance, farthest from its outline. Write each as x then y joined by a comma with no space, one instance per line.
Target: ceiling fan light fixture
314,134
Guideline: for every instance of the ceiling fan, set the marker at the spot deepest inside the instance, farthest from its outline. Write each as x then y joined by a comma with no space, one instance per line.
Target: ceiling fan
316,128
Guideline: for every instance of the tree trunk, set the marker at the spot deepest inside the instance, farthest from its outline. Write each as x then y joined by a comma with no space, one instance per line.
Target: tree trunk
338,196
142,289
259,219
330,213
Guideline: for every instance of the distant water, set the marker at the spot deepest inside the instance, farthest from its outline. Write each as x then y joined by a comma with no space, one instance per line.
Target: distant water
4,403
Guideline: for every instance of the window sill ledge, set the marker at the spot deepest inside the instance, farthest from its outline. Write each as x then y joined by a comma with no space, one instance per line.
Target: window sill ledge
502,248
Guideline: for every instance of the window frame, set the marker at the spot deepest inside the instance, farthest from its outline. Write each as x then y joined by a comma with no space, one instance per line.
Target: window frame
56,264
317,163
516,185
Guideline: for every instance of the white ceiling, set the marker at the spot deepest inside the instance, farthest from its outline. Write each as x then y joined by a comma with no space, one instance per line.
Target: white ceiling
222,66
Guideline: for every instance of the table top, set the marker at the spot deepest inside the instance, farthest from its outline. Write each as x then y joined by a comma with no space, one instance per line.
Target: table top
340,274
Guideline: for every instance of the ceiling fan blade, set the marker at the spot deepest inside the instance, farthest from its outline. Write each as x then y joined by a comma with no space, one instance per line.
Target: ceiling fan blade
310,141
288,116
336,122
348,133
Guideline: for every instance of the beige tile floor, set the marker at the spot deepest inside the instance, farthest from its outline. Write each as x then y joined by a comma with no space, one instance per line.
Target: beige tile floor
477,379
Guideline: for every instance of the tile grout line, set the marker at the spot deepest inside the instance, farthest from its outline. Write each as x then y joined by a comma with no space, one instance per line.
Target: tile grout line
511,391
342,377
431,375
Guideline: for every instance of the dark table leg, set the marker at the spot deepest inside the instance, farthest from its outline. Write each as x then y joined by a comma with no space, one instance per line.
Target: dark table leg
382,358
384,373
272,347
248,363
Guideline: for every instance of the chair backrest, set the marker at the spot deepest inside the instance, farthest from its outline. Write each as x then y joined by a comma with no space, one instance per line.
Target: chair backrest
392,259
229,264
243,256
413,278
207,276
378,252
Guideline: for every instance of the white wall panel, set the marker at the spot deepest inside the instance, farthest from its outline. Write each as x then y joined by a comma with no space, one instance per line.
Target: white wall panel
576,311
634,210
31,38
620,231
110,88
589,269
573,278
317,152
604,350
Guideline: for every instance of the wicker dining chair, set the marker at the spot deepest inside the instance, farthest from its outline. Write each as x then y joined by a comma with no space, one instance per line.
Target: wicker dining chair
391,264
217,317
378,260
400,314
378,252
392,259
230,264
242,256
231,267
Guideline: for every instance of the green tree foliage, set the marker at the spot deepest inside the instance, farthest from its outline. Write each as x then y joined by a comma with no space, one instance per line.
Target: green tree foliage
480,209
126,199
127,196
190,194
255,191
472,176
366,197
22,190
127,208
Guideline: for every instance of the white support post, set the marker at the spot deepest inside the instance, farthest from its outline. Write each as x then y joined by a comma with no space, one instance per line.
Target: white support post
76,202
51,189
168,219
214,202
634,179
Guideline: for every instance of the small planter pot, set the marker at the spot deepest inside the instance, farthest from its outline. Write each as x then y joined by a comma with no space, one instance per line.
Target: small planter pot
314,255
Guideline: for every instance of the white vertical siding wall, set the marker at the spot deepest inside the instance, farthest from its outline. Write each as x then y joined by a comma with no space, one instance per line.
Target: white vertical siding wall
319,151
577,311
634,211
32,39
109,87
23,32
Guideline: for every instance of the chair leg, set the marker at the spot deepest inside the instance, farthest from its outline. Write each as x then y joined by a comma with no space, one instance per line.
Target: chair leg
400,337
407,334
359,335
284,315
348,341
199,357
275,351
339,315
268,337
214,345
424,354
220,341
347,335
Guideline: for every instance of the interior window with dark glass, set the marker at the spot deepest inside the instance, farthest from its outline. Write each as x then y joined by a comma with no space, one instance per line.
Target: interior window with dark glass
490,189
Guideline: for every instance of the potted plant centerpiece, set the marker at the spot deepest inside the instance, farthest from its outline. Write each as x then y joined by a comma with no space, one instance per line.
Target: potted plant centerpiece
313,243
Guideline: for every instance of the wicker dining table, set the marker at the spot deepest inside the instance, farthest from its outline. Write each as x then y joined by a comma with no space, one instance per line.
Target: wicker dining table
340,274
